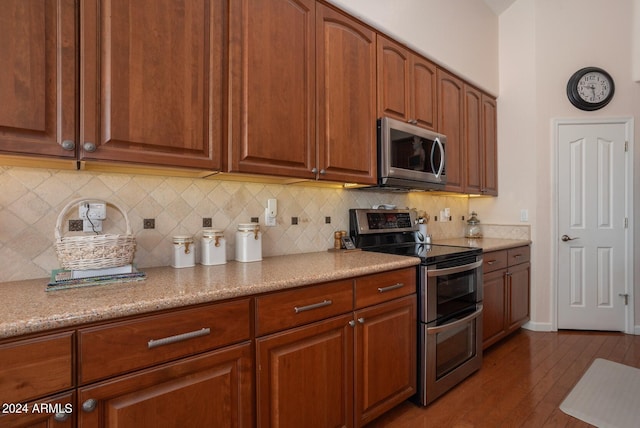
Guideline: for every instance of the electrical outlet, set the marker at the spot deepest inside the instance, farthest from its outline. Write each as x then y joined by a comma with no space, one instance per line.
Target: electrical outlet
92,210
524,215
207,222
91,225
149,223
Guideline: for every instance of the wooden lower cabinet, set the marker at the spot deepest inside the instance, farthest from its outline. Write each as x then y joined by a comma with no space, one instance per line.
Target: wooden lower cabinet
506,293
209,390
305,376
518,295
50,412
344,371
385,351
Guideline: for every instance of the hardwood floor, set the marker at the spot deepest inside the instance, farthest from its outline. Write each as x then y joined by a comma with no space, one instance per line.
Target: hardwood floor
522,382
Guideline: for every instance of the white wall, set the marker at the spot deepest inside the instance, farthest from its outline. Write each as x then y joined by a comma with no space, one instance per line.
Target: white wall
461,35
542,42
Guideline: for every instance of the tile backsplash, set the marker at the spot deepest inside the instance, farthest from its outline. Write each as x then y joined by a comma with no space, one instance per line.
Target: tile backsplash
32,199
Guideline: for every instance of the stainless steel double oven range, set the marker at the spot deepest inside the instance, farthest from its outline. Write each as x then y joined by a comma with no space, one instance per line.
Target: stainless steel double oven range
449,297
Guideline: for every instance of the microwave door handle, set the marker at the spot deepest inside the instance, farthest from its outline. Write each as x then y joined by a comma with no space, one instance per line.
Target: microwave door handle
433,148
441,148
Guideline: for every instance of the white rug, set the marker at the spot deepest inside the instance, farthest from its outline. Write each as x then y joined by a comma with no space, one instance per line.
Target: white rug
607,395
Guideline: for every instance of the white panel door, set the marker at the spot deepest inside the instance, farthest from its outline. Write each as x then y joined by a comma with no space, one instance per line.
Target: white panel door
592,255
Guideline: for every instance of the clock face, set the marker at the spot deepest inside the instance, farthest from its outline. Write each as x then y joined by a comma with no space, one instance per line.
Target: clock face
594,87
590,88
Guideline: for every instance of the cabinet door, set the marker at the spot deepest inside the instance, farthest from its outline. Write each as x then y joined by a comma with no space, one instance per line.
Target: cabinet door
489,146
346,88
494,307
393,80
450,120
273,87
305,376
424,103
38,77
473,143
51,412
385,357
210,390
518,295
151,81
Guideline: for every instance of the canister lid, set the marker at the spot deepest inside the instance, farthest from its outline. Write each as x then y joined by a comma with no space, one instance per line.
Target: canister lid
212,233
473,219
248,227
181,239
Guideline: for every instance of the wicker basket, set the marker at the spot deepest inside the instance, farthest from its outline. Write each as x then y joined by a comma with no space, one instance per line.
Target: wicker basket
94,251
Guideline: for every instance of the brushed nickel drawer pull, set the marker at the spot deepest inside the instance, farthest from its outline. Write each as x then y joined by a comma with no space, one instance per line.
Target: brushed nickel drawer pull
154,343
490,262
391,287
313,306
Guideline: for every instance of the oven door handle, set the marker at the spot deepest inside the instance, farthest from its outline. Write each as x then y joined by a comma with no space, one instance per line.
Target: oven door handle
455,269
476,314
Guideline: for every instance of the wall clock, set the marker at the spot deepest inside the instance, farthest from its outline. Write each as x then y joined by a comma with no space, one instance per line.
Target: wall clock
590,88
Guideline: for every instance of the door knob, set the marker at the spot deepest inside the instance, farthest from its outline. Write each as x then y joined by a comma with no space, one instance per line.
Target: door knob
566,238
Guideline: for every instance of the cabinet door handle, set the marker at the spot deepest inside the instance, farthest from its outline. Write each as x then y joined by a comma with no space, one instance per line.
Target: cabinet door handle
154,343
61,416
361,320
68,145
89,405
391,287
322,304
89,147
490,262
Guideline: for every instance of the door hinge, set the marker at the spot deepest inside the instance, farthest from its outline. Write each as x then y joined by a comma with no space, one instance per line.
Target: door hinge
626,222
626,146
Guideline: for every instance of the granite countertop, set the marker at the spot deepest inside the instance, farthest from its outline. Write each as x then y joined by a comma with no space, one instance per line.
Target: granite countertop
29,308
487,244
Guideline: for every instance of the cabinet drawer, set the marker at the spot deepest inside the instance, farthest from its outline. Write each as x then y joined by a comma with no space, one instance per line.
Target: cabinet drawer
128,345
33,368
381,287
518,255
291,308
494,260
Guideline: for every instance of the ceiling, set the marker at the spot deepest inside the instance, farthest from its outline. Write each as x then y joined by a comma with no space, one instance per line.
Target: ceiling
499,6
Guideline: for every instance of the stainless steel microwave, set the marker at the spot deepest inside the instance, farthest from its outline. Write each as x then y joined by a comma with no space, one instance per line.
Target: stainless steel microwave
410,157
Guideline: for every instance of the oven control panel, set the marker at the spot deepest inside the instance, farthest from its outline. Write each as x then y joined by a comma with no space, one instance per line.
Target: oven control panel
370,221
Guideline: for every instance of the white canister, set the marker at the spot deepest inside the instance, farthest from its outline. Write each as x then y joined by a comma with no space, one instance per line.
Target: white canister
248,242
213,247
184,252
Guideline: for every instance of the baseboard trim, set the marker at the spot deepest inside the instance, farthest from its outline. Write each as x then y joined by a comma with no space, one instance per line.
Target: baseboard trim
539,326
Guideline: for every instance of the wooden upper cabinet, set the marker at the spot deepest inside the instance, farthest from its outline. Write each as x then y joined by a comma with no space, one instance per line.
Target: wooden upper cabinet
406,85
273,87
423,97
490,145
38,77
450,123
480,143
346,90
393,80
152,78
473,139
